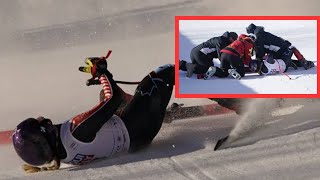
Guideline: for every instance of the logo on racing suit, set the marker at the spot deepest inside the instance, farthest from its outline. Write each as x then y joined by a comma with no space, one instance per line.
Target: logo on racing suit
81,159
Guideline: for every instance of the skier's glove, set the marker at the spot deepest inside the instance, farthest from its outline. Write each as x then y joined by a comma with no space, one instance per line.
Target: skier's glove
96,66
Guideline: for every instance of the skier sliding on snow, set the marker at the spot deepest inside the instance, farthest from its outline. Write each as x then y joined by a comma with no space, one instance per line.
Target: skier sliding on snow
102,131
233,59
280,49
202,55
269,65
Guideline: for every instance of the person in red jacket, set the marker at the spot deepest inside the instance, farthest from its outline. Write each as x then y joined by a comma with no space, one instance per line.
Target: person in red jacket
233,58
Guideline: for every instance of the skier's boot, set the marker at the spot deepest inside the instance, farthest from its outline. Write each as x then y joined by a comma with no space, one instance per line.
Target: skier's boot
234,73
182,65
307,64
211,71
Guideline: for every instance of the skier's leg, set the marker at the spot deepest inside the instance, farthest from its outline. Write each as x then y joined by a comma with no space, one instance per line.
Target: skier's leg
200,62
144,115
286,57
232,65
305,63
220,72
297,53
198,57
237,64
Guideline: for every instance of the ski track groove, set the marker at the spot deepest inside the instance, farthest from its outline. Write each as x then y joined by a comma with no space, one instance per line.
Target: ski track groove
300,124
205,174
181,170
231,170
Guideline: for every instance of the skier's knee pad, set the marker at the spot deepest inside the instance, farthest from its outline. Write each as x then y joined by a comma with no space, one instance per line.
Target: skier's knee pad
166,73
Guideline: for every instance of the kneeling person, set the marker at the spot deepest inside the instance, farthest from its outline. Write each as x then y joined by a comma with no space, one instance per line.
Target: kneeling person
233,59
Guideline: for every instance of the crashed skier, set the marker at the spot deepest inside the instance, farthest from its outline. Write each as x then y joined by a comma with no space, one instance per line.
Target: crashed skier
203,54
269,65
101,132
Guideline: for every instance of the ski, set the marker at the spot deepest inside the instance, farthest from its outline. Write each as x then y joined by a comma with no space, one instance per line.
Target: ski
220,143
178,111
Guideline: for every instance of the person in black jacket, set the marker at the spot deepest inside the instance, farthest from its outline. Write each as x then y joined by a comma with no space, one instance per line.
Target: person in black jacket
280,48
202,55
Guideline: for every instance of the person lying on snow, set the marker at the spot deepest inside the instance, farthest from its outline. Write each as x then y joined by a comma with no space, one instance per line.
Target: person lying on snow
280,48
269,65
203,54
101,132
234,58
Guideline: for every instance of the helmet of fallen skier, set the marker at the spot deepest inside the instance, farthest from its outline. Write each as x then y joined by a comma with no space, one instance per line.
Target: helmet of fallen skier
34,140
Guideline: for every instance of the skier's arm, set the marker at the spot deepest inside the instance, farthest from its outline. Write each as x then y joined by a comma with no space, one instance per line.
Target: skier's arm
85,126
259,49
218,49
248,54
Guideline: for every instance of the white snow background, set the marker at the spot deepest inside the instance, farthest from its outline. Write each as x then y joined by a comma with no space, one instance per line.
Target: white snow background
301,33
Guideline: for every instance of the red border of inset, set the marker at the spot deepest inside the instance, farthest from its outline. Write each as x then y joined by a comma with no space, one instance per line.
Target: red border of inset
177,88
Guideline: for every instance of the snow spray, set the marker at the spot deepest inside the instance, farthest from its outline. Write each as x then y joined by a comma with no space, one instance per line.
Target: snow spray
257,111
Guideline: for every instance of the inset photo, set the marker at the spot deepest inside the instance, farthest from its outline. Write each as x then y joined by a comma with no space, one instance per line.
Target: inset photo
246,56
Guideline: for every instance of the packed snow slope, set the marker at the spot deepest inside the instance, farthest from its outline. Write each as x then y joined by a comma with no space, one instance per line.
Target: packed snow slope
44,42
302,34
285,146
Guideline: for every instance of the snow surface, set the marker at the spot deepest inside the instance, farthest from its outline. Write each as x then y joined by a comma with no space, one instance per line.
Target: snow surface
301,33
46,82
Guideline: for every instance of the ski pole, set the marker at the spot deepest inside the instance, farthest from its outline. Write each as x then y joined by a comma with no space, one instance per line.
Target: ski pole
97,82
283,71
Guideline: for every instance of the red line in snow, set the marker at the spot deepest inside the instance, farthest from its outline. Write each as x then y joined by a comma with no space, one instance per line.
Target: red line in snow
206,110
5,137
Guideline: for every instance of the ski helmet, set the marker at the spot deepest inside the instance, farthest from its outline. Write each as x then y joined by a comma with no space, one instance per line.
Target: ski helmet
35,141
251,28
233,35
